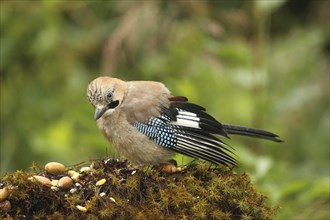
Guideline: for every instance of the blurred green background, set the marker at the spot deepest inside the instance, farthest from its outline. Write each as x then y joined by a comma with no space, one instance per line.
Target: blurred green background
257,63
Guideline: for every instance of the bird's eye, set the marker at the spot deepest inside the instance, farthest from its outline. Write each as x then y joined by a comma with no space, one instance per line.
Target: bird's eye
109,95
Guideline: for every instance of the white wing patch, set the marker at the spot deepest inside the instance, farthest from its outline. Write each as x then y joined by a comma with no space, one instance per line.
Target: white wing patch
186,119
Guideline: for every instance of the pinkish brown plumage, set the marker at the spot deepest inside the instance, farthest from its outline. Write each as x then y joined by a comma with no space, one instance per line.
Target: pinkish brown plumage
147,125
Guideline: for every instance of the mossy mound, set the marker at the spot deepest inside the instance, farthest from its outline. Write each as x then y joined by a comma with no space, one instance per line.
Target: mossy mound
199,191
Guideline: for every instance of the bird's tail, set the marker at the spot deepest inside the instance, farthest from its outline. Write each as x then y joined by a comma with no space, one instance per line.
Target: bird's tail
252,132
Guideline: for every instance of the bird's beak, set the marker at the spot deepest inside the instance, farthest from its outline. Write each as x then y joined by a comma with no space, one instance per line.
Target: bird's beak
99,112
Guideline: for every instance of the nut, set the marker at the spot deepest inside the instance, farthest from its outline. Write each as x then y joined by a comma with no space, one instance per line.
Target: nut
55,168
41,179
65,182
4,193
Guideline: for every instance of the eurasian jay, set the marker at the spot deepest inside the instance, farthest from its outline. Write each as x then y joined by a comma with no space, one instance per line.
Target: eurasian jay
147,125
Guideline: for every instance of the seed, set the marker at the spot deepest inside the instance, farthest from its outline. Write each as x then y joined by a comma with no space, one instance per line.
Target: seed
74,175
55,168
101,182
41,179
4,193
71,172
85,169
65,182
81,208
54,182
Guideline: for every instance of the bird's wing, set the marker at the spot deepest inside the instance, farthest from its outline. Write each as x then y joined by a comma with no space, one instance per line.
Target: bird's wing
187,129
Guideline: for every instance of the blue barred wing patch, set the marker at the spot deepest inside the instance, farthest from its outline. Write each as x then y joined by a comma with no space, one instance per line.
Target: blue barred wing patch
159,131
190,134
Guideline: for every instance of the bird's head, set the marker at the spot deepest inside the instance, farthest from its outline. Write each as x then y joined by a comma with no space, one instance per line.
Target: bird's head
106,94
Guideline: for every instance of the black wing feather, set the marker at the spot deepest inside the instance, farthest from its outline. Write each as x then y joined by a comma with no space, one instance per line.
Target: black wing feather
252,132
187,129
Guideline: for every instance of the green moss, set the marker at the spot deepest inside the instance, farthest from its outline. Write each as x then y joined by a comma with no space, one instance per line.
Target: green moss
200,191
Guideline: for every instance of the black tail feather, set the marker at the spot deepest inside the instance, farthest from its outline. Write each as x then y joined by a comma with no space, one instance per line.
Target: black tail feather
252,132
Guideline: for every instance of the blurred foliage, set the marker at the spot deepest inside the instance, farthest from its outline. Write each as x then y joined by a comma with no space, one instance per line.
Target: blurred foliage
257,63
